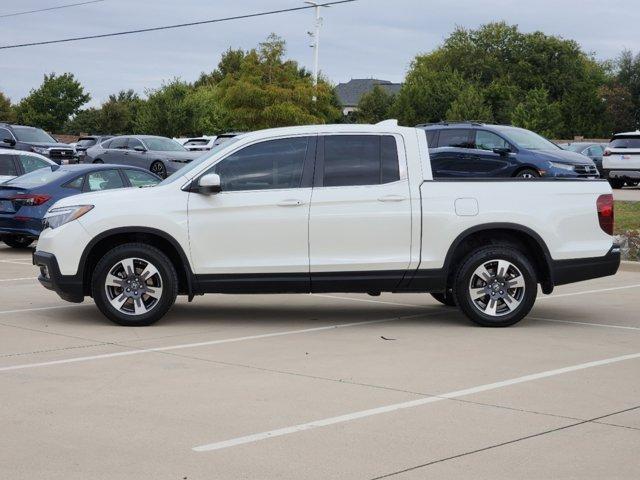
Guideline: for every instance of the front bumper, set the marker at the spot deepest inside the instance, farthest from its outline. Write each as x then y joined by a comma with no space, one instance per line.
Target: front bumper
68,287
580,269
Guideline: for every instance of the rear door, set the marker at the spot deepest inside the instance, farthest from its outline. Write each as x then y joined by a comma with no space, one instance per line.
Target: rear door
360,220
115,153
452,156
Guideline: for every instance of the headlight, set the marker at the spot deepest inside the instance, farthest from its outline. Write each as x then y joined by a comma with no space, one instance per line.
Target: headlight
40,150
563,166
57,217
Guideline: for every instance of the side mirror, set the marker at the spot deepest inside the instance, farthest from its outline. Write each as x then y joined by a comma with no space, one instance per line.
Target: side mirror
9,141
209,183
140,149
502,151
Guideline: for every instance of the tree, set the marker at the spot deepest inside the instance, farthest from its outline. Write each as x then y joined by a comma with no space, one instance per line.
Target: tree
620,110
165,111
539,114
229,64
628,76
470,105
50,106
7,113
85,121
374,106
119,113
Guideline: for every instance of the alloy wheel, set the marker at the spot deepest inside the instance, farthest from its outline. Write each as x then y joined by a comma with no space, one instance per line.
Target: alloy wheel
133,286
497,287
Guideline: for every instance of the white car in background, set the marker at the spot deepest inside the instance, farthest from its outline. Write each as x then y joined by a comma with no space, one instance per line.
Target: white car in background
621,160
200,144
14,163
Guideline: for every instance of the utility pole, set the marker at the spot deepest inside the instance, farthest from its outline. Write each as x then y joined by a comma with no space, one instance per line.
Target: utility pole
316,44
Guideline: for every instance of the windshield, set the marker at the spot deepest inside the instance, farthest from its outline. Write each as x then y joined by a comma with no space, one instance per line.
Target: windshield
199,141
527,139
625,142
197,162
159,144
33,135
38,177
573,147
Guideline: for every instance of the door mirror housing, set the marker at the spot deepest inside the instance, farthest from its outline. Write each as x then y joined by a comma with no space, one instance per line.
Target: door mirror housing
10,141
140,149
209,184
502,151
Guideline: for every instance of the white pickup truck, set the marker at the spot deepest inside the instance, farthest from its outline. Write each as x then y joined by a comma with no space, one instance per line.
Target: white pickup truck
334,208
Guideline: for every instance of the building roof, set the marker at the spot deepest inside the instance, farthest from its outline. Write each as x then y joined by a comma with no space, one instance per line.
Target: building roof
350,93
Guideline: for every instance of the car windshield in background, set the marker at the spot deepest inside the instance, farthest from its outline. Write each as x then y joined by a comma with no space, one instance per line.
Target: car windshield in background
196,163
573,147
625,142
158,144
32,135
86,142
199,141
527,139
37,177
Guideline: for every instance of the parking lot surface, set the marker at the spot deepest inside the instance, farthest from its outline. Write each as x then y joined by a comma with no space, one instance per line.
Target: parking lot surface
628,194
319,387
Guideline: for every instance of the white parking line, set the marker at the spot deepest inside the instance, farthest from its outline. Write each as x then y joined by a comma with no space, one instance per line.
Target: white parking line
604,325
410,404
199,344
38,309
16,279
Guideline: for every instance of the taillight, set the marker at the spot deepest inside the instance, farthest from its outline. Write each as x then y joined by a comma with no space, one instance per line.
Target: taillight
605,212
607,152
30,200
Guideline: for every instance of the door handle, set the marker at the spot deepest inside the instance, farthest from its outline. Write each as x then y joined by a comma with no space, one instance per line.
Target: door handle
292,202
392,198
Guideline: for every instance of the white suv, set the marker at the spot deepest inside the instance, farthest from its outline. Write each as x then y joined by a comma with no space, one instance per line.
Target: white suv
621,159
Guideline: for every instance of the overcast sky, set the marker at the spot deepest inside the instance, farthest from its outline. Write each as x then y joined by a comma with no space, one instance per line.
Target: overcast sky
367,38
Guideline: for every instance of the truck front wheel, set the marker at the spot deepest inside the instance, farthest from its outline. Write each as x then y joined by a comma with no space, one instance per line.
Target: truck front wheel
134,285
496,286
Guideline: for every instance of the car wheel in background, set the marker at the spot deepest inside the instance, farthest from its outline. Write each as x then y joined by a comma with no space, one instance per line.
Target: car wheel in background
17,241
632,184
97,160
445,298
134,285
527,173
496,286
616,183
159,169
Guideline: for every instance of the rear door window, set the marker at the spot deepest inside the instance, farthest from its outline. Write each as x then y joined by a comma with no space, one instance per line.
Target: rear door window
103,180
8,166
455,137
29,163
119,142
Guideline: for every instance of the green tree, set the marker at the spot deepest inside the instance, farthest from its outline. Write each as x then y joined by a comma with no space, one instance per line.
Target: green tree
470,105
119,113
50,106
539,114
165,111
7,113
628,76
85,121
207,115
620,110
374,106
229,64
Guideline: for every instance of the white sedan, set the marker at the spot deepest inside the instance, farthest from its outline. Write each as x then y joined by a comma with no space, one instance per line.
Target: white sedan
14,163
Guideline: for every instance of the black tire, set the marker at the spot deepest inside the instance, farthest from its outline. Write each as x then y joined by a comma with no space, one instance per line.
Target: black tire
141,252
445,298
466,275
527,173
97,160
632,184
616,183
159,169
18,241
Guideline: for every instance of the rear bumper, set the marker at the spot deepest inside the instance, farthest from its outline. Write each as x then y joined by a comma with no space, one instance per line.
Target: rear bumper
580,269
623,174
68,287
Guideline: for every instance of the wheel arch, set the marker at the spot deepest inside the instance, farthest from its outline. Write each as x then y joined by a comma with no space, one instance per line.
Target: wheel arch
502,233
157,238
525,167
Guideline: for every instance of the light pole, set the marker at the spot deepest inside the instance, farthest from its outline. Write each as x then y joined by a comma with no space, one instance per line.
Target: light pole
316,44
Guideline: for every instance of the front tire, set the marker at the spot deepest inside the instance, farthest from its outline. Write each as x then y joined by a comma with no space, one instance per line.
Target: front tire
159,169
134,285
98,161
527,173
496,286
17,241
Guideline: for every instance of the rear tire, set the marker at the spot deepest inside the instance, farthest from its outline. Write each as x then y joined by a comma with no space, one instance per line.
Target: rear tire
445,298
159,169
18,241
616,183
134,285
98,161
496,286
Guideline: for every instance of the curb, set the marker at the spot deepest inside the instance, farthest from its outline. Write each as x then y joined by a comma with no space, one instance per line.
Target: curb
629,266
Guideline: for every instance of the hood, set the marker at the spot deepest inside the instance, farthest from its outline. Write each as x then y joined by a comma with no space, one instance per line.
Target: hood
102,197
49,145
563,156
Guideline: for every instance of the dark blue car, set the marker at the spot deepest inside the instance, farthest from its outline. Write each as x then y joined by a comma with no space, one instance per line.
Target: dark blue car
480,150
25,199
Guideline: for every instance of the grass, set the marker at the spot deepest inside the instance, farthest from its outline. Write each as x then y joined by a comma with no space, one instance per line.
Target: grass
627,216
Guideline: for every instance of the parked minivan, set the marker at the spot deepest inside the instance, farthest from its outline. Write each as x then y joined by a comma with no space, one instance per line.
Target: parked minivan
471,149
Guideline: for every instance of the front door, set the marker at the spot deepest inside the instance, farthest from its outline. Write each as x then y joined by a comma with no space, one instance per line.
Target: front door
254,233
360,223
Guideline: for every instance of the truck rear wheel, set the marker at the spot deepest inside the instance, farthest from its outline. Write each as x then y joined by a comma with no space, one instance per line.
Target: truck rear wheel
134,285
496,286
